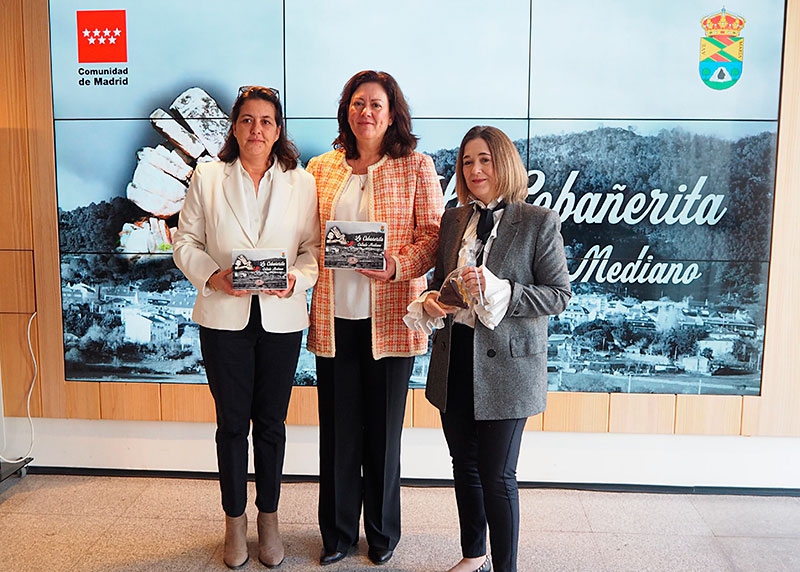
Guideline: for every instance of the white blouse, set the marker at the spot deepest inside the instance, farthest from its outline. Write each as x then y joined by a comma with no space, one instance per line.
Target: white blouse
257,202
496,296
352,295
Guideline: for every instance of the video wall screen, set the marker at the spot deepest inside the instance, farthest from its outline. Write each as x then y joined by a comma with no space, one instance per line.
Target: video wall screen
650,128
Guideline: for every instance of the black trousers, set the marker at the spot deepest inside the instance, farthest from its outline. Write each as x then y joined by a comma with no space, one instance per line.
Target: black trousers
362,403
485,455
250,373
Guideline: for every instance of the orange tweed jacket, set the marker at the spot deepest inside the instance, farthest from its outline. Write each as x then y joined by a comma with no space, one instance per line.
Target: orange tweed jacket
406,195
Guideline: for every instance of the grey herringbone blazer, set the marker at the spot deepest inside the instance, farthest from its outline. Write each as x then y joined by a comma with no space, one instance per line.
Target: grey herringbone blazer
510,362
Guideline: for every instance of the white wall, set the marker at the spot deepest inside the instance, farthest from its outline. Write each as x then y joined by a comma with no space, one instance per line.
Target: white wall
660,460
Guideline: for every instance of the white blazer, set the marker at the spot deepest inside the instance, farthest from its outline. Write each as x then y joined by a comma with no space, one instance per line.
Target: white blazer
214,220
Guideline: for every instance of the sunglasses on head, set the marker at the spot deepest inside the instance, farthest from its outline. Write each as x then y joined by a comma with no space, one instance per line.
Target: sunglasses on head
247,90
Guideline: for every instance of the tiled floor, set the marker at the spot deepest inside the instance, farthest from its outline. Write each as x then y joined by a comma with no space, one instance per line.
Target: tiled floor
114,524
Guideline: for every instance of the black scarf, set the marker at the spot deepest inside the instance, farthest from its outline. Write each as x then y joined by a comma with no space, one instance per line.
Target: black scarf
486,220
485,226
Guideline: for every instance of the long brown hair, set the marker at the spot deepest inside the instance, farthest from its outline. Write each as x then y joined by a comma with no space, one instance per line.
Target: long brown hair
283,149
398,141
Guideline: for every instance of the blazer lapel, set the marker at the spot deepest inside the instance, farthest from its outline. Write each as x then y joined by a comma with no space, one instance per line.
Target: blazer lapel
454,234
232,186
278,209
506,234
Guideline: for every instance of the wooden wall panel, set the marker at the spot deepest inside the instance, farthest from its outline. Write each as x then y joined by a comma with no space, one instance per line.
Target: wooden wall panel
44,208
303,406
408,419
576,412
187,402
83,399
130,401
641,413
15,215
751,415
708,415
779,413
16,366
535,423
16,281
425,414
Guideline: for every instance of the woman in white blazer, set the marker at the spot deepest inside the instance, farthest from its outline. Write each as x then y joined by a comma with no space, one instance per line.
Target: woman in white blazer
256,197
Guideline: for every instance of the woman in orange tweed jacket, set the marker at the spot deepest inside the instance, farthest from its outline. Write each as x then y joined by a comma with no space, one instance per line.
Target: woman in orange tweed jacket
365,353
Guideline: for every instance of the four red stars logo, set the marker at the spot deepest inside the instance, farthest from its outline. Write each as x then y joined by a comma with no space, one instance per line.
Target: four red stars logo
102,36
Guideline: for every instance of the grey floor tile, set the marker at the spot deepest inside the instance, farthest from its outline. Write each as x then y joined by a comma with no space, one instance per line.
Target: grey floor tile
739,515
191,499
559,552
47,542
552,510
762,554
302,546
433,508
417,552
78,495
642,513
662,553
15,491
298,504
112,524
146,545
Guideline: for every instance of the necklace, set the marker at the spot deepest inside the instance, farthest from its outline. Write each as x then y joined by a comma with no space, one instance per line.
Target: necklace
363,179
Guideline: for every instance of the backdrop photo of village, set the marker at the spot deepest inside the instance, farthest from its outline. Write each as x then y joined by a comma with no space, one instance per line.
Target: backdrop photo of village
691,323
664,183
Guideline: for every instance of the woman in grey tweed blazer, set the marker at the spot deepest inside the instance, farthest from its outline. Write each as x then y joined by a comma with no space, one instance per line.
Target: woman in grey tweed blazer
488,368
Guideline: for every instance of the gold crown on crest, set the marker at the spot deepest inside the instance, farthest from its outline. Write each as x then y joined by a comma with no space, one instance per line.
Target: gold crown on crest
723,23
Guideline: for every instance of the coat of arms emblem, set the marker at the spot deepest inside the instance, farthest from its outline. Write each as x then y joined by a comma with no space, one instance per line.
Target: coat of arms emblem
721,50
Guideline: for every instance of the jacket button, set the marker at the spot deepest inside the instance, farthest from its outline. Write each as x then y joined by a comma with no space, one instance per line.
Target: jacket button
491,353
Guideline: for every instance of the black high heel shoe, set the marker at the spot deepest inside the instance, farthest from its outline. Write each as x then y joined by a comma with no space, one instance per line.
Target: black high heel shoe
485,567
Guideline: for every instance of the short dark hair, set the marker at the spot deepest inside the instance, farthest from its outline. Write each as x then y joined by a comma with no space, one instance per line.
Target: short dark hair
283,149
509,172
398,141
